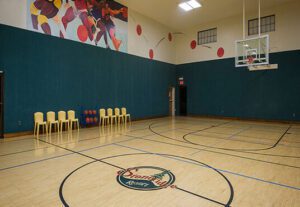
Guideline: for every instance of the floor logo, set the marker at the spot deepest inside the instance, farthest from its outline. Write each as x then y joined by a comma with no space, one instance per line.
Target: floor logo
146,178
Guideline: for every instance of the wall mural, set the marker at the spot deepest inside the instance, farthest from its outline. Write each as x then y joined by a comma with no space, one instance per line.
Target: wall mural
97,22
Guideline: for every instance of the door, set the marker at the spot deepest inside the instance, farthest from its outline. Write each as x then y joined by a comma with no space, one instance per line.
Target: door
1,104
182,100
172,101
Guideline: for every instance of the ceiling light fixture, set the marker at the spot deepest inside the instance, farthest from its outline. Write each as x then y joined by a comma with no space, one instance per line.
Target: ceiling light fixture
193,3
185,6
189,5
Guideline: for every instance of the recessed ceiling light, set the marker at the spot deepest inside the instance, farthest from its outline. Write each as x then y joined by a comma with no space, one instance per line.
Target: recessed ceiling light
193,3
185,6
189,5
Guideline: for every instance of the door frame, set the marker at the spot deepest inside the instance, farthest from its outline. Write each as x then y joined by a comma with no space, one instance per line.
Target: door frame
171,101
1,105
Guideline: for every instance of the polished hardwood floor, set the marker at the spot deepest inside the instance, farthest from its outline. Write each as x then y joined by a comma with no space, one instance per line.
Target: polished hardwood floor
166,162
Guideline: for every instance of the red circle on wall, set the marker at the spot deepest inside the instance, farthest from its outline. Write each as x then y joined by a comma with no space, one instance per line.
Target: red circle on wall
125,12
170,36
82,33
139,29
220,52
151,54
193,44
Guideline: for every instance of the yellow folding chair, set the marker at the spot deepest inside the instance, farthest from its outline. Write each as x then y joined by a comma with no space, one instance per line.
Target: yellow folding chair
103,118
110,115
125,115
119,117
39,121
72,119
62,120
51,120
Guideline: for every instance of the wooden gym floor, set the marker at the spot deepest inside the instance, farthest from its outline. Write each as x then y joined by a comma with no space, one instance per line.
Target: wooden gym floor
205,163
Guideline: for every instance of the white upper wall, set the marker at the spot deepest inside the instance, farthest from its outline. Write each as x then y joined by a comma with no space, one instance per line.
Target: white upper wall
13,12
178,51
285,37
154,36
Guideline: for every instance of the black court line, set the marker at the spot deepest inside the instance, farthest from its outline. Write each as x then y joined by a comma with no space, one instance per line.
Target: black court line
81,140
59,156
217,202
241,140
79,153
221,170
216,152
251,137
246,152
238,150
237,123
273,155
163,155
254,127
54,157
212,126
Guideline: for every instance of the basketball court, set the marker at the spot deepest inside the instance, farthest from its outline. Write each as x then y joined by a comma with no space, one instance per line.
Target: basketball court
213,163
150,107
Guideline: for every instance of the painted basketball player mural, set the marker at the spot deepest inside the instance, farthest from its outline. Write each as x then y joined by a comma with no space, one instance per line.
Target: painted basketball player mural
81,20
41,11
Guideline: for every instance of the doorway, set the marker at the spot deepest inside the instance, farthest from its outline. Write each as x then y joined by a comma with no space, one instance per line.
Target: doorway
172,101
182,100
1,104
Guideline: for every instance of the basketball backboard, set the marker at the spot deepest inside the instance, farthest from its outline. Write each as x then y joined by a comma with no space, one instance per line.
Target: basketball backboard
253,51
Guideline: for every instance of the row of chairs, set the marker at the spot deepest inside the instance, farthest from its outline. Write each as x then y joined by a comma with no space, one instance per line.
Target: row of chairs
108,117
105,118
51,120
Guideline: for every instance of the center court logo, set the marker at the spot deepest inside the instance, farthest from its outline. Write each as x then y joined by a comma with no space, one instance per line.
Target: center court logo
146,178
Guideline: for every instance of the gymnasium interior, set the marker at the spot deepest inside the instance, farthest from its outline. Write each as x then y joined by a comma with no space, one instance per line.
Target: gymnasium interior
130,103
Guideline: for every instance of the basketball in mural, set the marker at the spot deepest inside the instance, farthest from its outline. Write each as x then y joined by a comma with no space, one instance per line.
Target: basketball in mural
220,52
139,29
125,12
193,44
82,33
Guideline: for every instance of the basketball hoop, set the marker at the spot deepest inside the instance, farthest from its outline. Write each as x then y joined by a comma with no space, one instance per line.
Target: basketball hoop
250,60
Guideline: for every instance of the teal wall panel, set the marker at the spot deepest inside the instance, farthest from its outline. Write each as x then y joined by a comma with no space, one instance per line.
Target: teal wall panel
217,88
44,73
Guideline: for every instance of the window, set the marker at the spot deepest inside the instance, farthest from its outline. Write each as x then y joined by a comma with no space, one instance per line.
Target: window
207,36
267,24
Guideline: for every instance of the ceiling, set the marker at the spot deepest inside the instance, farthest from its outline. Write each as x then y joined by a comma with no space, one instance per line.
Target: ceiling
168,13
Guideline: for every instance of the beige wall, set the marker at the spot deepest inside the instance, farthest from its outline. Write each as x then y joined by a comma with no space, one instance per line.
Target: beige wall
286,36
152,33
13,12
